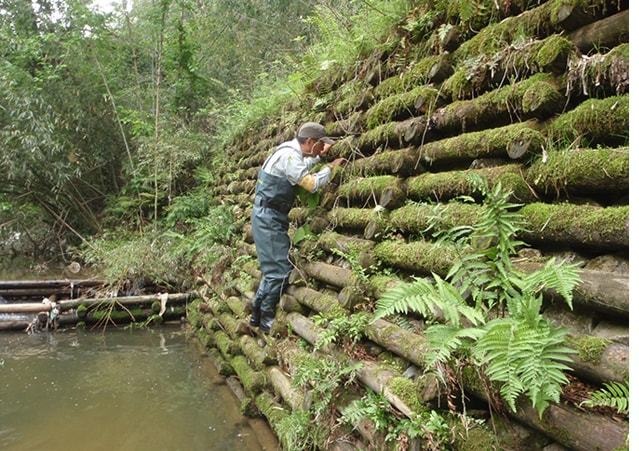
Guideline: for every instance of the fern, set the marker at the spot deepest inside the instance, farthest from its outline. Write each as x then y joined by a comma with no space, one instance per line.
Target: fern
614,394
444,340
441,300
526,358
561,277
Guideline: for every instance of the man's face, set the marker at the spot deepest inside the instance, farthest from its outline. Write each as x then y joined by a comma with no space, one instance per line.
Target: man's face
312,147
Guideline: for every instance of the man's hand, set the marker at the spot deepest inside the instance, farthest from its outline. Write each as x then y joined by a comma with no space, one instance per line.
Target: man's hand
337,162
326,149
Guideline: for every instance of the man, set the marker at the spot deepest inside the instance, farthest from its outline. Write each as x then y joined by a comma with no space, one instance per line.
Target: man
287,167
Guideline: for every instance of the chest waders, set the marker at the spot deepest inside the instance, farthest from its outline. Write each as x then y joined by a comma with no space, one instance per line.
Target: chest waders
274,198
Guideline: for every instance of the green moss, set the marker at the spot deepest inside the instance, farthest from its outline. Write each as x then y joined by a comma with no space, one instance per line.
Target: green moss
589,348
489,143
401,106
594,121
204,338
417,74
378,284
582,225
379,136
273,412
351,95
446,185
416,218
81,311
366,186
253,381
582,171
550,50
224,343
476,438
418,256
351,218
391,361
406,390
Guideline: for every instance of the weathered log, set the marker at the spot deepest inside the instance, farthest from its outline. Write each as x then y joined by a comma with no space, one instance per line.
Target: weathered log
258,356
289,304
551,17
351,218
399,162
238,306
605,33
315,300
447,185
419,100
253,160
253,381
595,121
420,256
350,297
246,249
220,362
331,241
357,98
234,327
385,190
392,134
513,63
567,425
600,75
247,405
599,360
433,69
536,97
55,283
582,172
74,303
272,411
14,324
348,126
576,225
283,387
223,342
329,274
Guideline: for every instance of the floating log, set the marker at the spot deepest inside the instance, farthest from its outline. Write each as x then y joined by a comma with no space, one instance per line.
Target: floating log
56,283
605,33
447,185
74,303
385,190
595,121
536,97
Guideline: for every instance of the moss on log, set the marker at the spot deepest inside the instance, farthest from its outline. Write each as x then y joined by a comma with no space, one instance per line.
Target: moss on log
600,360
515,62
417,218
515,141
447,185
411,346
352,124
258,357
316,300
433,69
536,97
351,218
357,247
285,390
272,411
419,256
232,326
551,17
385,190
582,171
221,364
400,162
419,100
329,274
392,134
601,75
238,306
595,121
576,225
223,342
253,381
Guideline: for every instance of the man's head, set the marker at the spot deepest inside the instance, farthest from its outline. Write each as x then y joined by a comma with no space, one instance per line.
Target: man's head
312,138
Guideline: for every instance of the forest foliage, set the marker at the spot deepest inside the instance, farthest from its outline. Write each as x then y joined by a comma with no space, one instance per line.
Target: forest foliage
120,119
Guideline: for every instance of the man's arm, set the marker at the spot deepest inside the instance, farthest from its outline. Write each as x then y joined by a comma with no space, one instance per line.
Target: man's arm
313,182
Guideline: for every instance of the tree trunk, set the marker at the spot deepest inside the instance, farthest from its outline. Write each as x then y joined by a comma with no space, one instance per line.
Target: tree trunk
329,274
606,33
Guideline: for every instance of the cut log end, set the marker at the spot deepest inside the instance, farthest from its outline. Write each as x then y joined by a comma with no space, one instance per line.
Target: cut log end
518,148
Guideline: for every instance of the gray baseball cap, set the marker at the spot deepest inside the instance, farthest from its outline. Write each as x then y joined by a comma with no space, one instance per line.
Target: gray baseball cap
315,131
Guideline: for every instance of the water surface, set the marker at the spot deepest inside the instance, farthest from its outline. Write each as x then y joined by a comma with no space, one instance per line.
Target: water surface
122,390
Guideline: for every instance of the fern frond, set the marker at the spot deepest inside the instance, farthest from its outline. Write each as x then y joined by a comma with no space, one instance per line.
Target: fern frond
562,277
444,340
614,394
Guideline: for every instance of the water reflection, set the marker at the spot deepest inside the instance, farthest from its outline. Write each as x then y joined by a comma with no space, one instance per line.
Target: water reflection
123,390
